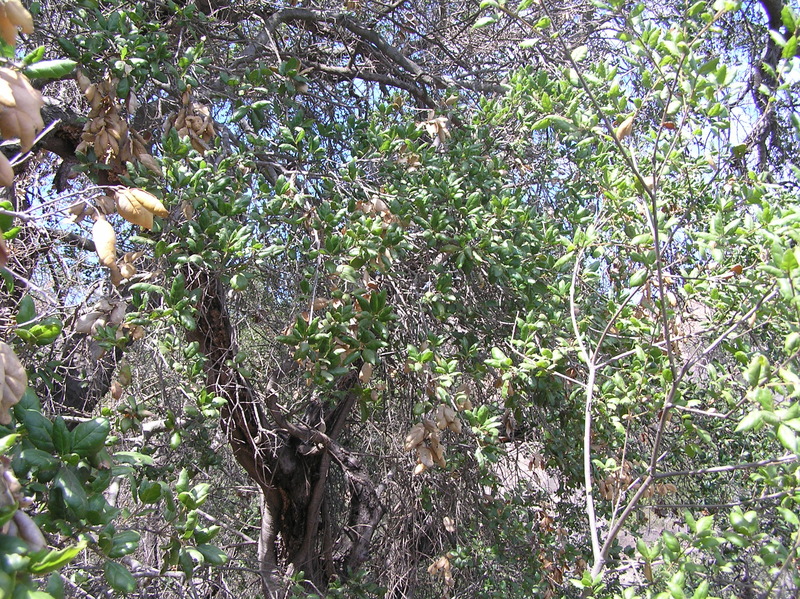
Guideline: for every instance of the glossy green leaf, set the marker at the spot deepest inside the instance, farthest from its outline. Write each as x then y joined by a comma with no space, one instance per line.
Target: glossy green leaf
90,436
50,69
56,559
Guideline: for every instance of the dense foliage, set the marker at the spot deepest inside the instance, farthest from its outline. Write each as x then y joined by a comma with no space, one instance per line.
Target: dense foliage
408,300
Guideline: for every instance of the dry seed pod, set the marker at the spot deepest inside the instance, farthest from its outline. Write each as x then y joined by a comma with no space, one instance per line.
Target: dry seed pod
83,81
7,95
425,456
12,16
464,403
105,242
15,377
419,469
449,414
187,209
98,323
127,270
439,416
132,211
23,119
10,528
8,31
118,313
624,129
28,531
649,182
437,452
6,172
320,303
455,426
105,204
116,390
147,200
414,437
365,374
77,212
14,381
430,426
150,163
85,322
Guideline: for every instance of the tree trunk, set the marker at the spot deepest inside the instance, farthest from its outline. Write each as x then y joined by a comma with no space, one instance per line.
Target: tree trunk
289,461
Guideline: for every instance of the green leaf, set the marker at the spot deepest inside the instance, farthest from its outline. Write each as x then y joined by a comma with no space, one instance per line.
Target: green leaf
53,560
704,525
790,49
119,577
789,516
213,555
123,87
528,43
39,429
146,287
239,282
370,356
42,333
671,541
150,492
33,56
6,220
758,367
7,442
789,18
123,543
792,343
89,437
484,21
561,123
499,355
750,421
39,463
62,440
647,553
787,437
50,69
26,310
579,53
638,278
348,273
69,489
701,592
134,458
55,586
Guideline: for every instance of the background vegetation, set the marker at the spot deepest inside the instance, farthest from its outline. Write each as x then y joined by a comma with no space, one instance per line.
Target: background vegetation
408,299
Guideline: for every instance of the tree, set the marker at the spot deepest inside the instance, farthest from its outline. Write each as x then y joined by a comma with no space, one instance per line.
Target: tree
397,287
